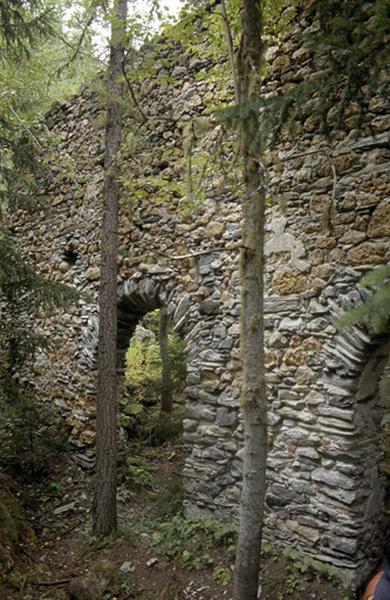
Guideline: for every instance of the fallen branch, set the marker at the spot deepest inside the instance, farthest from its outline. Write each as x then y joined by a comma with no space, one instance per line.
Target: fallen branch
293,156
24,581
71,528
31,559
191,255
55,582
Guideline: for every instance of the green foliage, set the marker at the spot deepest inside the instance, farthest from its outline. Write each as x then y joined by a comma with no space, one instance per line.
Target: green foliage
164,427
143,367
15,580
169,500
191,540
348,45
375,311
353,54
17,279
31,435
140,411
209,146
162,189
139,472
150,425
223,574
306,565
33,77
288,573
22,23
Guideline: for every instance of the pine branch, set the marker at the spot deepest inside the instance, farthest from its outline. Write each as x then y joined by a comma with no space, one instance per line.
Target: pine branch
77,48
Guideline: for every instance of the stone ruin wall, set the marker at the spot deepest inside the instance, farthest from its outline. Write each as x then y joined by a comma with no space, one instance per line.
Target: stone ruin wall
330,223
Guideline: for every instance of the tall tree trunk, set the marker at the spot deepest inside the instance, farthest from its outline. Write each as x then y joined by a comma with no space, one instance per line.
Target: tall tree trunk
166,373
104,505
254,403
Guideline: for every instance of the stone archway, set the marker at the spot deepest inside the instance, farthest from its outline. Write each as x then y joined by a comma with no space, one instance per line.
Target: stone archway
349,487
135,300
211,424
210,409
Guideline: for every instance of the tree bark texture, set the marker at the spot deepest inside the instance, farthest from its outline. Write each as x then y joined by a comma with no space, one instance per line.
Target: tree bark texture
166,373
254,404
104,505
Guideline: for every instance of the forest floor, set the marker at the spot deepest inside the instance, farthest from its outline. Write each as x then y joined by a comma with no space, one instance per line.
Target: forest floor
154,555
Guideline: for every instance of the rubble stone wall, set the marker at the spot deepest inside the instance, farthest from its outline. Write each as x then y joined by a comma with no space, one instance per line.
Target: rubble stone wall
329,224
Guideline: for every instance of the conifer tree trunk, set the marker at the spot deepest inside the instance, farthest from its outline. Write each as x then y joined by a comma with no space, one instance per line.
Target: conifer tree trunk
166,374
253,395
104,505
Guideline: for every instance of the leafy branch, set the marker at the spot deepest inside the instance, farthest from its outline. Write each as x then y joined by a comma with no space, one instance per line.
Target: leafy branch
375,311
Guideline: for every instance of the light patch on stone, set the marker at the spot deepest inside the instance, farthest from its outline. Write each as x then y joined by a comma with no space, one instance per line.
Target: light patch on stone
285,242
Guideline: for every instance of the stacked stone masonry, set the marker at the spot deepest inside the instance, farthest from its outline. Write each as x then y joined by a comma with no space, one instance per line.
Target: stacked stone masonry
330,223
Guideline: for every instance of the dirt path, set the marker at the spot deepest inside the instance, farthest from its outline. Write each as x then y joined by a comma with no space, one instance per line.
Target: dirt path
180,560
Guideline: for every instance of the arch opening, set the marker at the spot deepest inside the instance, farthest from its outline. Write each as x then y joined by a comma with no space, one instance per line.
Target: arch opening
369,457
152,398
151,433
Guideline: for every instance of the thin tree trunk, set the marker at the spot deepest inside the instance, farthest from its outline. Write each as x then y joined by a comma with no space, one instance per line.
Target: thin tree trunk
254,403
166,374
104,505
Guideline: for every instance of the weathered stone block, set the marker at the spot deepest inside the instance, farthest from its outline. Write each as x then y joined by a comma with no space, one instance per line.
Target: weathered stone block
226,417
295,357
289,281
379,225
334,479
209,307
92,274
215,229
367,253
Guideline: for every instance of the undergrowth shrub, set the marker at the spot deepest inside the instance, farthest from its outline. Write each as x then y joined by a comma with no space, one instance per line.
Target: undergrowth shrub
31,433
15,530
191,541
151,427
139,472
169,500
